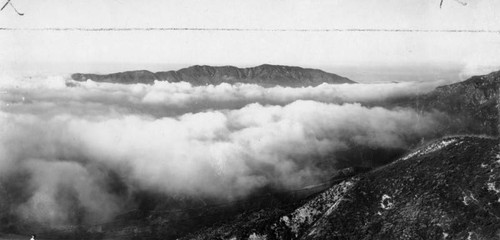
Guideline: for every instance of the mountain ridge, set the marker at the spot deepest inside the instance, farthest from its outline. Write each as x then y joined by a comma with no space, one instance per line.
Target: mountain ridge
199,75
446,189
473,104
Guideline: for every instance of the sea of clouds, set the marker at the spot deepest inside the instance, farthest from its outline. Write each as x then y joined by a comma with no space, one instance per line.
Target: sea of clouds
67,139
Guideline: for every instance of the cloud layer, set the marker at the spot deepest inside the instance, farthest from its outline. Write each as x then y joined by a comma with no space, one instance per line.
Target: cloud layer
170,99
213,141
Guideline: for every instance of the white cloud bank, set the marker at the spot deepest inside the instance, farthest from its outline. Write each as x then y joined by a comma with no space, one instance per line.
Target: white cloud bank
67,138
170,99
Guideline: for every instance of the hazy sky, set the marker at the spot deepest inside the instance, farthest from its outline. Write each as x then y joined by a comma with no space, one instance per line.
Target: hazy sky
32,49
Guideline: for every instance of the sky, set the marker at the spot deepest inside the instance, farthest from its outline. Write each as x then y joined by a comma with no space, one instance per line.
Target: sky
32,49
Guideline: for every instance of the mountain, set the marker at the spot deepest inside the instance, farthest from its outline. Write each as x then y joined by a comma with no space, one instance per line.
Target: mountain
473,105
448,189
265,75
476,100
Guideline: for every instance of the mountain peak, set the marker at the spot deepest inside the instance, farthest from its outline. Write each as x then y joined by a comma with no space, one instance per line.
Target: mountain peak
265,75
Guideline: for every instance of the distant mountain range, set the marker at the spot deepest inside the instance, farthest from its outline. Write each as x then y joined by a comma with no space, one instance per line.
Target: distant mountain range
265,75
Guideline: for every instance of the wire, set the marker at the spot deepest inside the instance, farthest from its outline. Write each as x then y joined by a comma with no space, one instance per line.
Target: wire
119,29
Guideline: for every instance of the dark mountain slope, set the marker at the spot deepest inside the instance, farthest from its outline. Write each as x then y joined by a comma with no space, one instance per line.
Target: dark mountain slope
130,77
472,104
449,189
265,75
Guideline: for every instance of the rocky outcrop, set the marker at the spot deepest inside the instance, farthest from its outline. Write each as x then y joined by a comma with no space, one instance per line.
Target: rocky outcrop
265,75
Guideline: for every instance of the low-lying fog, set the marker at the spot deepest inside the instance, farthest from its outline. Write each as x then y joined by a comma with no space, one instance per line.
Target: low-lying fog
63,142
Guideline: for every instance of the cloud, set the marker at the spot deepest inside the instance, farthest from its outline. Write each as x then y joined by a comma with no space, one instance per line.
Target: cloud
68,139
60,188
171,99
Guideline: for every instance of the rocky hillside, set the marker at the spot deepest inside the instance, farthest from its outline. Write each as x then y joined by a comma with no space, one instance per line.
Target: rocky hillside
265,75
448,189
473,105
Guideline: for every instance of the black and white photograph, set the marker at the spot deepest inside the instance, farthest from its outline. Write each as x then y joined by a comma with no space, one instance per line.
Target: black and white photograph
249,120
